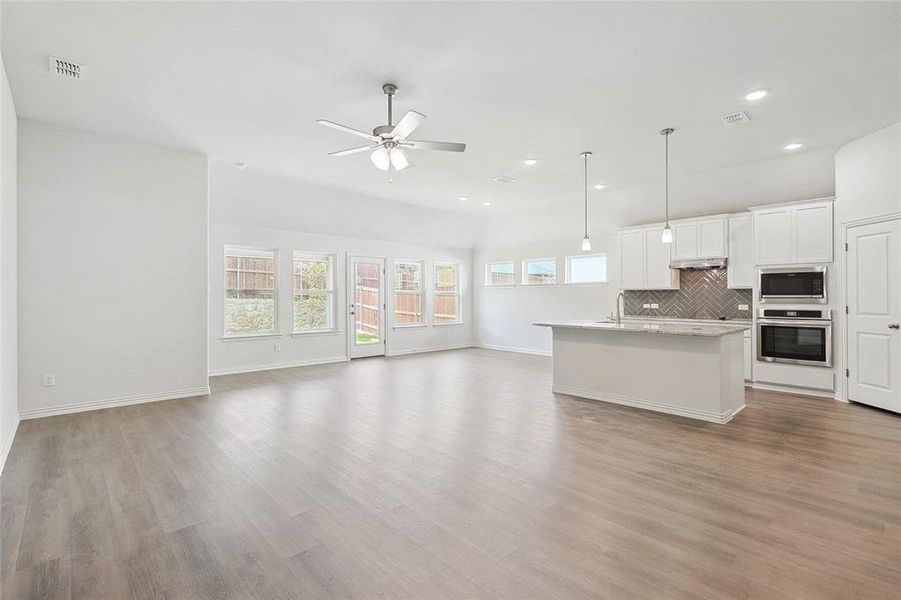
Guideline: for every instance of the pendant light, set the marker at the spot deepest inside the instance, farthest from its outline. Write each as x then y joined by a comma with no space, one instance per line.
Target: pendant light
667,236
586,242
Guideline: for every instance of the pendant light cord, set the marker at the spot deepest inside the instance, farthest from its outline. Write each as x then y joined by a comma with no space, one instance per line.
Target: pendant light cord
585,157
666,176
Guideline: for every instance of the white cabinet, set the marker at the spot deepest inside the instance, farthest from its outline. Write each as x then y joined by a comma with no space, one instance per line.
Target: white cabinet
699,238
740,271
631,255
644,260
658,275
749,357
793,233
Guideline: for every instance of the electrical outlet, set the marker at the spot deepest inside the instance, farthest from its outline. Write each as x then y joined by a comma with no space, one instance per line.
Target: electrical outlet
742,307
655,305
277,347
48,379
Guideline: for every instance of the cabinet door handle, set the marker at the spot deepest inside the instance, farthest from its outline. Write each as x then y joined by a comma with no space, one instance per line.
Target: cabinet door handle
894,325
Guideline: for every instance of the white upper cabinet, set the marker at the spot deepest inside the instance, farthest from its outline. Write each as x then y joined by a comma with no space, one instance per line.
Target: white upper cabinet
644,260
813,232
740,273
631,254
793,233
699,238
658,275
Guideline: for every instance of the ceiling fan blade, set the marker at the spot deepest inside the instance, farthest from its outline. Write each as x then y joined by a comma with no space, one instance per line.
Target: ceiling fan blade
347,129
352,150
445,146
407,125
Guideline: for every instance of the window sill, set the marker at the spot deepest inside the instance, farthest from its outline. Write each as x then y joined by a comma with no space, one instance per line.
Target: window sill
316,332
587,283
402,327
447,324
252,336
500,286
539,284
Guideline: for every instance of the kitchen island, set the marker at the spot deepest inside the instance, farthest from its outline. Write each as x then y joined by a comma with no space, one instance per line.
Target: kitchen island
692,370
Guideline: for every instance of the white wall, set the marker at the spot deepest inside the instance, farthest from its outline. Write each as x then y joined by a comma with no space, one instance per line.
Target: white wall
505,314
867,184
9,413
112,270
267,211
261,199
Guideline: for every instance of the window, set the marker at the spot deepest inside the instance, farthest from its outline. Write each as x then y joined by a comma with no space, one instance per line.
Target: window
249,291
499,273
586,268
447,294
314,292
539,271
408,293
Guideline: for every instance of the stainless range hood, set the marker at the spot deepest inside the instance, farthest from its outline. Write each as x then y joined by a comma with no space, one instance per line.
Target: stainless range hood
698,263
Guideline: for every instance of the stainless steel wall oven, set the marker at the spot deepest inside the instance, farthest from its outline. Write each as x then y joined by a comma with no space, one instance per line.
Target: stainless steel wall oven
801,336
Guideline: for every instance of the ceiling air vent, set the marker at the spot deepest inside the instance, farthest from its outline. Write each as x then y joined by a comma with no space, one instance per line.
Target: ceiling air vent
503,179
736,118
66,68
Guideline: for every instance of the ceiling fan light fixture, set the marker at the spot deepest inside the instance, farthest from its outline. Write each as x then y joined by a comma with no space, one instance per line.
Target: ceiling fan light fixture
380,159
398,159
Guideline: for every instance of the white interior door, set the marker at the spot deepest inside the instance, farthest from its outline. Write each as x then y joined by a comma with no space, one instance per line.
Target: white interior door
874,313
366,319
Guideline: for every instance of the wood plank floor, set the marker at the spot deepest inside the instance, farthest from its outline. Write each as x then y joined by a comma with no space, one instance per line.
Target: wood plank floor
449,475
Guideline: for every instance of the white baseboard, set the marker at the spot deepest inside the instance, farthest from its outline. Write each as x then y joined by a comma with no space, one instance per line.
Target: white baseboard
784,389
65,409
515,349
712,417
429,349
8,442
273,366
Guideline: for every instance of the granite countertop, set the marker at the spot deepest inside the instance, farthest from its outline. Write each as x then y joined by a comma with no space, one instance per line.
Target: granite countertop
678,320
699,329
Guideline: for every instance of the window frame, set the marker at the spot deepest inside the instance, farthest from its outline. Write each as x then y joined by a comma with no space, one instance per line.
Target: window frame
333,263
421,293
566,263
237,249
486,280
525,271
458,291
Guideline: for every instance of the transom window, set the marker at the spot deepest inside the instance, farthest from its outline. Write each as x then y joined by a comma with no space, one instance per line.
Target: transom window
499,273
314,292
447,294
539,271
408,293
250,291
586,268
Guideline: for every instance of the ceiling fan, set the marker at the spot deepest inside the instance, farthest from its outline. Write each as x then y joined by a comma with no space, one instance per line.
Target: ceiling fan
387,141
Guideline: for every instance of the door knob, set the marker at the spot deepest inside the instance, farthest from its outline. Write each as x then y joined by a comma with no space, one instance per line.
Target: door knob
894,326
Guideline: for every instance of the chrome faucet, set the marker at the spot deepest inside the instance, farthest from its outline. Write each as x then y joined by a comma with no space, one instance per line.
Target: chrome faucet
619,316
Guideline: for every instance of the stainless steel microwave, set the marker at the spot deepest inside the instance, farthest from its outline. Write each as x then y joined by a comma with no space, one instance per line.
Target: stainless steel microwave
793,285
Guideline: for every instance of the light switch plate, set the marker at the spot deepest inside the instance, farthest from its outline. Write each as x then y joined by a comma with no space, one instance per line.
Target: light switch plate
646,305
655,305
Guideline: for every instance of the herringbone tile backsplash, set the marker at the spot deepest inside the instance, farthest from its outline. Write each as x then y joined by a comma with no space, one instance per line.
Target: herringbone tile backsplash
702,295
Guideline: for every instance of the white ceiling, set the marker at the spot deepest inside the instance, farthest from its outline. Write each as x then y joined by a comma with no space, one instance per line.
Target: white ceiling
245,81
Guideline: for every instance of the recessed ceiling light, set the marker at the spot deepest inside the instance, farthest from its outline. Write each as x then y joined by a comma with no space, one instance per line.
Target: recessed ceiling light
486,203
531,162
241,165
757,95
464,198
600,186
793,146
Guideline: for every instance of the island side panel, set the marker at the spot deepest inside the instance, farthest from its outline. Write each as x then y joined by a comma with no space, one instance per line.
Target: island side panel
733,370
676,374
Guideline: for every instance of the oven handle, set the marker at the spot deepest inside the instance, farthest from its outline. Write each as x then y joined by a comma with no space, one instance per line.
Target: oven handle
799,323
